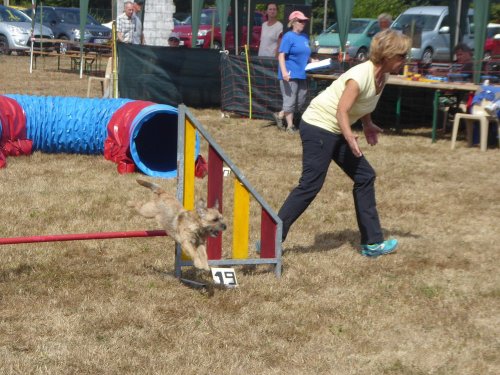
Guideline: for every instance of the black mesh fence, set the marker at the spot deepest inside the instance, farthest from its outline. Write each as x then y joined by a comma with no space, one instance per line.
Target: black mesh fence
415,107
169,75
264,97
257,93
206,78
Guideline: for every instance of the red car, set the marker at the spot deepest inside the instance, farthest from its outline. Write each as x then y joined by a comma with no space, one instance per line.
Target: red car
207,39
492,44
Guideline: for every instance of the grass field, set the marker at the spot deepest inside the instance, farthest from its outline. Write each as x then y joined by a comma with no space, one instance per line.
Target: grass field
115,307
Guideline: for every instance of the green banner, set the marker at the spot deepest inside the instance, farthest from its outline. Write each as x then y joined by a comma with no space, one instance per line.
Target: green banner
343,12
223,11
197,5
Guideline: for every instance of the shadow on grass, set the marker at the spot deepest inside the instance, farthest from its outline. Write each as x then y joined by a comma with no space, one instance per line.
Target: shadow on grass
331,241
327,241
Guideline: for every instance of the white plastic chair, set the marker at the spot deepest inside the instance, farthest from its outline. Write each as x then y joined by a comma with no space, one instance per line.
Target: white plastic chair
480,114
106,86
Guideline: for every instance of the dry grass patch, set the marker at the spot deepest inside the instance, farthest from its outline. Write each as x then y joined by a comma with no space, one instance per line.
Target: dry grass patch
114,307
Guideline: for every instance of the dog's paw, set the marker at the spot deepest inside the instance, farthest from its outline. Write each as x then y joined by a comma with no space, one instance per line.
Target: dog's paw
201,265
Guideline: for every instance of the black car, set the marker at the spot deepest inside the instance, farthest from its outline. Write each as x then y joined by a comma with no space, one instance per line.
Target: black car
65,24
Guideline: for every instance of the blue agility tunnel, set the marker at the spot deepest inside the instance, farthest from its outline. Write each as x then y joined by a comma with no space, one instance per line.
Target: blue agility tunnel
133,134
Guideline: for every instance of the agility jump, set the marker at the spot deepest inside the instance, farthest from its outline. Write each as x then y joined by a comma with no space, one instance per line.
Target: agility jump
271,225
185,135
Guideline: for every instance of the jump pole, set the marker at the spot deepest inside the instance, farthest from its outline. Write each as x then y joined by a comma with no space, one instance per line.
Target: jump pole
82,236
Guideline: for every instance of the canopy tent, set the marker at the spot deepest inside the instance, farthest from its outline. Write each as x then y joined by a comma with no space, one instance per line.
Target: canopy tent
458,14
223,12
84,8
196,6
481,17
223,7
33,9
343,12
458,11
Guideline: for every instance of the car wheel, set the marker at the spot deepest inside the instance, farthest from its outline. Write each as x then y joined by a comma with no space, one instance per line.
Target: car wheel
362,54
217,44
4,45
427,56
487,56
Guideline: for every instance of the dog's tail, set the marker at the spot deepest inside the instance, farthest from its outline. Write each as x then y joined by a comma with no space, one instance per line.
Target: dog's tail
151,185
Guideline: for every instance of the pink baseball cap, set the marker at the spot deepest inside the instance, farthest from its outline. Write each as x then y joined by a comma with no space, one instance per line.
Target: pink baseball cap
297,14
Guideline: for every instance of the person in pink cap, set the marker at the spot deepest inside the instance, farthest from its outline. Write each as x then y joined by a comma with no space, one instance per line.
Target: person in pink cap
294,54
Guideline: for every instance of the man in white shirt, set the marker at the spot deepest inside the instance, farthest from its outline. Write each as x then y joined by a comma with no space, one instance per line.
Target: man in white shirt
128,25
271,32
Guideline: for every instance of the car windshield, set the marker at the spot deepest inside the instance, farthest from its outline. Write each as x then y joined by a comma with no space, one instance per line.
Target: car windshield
492,31
356,27
422,22
208,18
205,19
72,16
13,15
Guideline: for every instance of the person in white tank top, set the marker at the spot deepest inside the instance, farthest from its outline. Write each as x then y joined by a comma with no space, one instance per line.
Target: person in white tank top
271,32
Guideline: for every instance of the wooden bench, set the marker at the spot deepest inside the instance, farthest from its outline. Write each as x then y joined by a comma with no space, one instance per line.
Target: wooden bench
88,58
37,54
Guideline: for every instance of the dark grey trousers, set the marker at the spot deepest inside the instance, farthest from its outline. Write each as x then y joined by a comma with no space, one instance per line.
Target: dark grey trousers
320,147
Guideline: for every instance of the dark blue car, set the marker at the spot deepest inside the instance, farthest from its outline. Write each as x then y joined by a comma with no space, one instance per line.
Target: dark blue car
65,24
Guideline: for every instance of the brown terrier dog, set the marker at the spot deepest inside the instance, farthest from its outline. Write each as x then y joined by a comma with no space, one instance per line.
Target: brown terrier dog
188,228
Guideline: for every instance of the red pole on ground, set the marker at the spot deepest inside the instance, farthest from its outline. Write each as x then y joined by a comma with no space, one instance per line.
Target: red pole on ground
82,236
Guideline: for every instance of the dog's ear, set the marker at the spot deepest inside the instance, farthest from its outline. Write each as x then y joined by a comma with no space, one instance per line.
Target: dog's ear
201,207
216,205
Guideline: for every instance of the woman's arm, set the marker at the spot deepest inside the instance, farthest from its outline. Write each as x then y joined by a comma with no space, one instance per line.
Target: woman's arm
284,71
347,100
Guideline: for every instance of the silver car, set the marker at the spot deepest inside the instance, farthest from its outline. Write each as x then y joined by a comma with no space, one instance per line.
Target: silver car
430,26
15,32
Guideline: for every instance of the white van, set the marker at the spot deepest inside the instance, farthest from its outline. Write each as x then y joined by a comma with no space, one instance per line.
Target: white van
431,31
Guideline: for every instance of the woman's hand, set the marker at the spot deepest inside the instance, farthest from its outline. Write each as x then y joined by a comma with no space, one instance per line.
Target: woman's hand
352,141
286,76
371,132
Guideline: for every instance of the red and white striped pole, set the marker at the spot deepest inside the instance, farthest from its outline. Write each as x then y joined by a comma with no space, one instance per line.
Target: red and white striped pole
82,236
